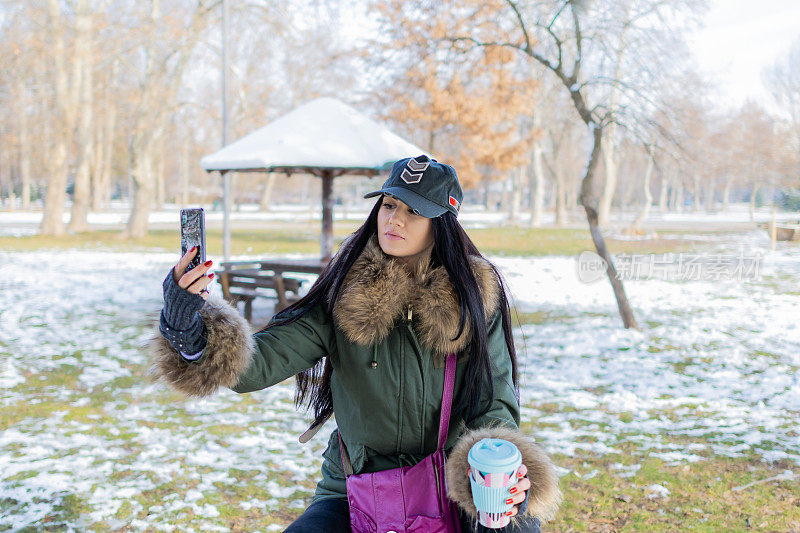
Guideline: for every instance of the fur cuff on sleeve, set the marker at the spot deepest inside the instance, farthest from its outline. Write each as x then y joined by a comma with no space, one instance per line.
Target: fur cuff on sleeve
544,496
228,352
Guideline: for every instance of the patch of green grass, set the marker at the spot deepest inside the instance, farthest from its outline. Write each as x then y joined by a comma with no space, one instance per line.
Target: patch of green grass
303,237
221,430
536,317
563,241
24,474
125,510
66,510
701,496
275,238
89,414
61,377
13,414
626,417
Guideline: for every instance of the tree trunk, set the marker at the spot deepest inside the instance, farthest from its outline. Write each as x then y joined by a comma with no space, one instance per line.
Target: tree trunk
56,165
5,176
562,216
571,194
696,200
710,195
266,196
161,182
610,184
505,193
235,198
102,188
679,197
662,196
183,169
516,180
537,185
648,198
24,145
609,143
97,165
726,195
753,193
589,201
143,192
560,193
83,55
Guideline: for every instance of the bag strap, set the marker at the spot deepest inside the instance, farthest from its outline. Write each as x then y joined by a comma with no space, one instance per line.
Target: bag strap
447,398
444,416
348,467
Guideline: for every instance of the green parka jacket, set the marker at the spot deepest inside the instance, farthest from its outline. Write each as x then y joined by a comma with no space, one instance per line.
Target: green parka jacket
387,338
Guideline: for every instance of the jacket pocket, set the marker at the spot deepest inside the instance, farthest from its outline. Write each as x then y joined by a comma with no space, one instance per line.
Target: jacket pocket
427,524
361,523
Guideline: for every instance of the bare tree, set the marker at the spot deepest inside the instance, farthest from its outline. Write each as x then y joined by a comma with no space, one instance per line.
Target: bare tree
569,38
161,77
83,85
783,81
63,117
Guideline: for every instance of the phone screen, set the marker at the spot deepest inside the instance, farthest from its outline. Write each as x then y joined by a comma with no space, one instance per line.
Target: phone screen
193,233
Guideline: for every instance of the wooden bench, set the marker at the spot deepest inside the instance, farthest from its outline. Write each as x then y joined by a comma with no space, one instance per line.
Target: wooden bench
246,281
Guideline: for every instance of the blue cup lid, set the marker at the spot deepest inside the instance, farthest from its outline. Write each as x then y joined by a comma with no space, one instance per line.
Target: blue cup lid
494,455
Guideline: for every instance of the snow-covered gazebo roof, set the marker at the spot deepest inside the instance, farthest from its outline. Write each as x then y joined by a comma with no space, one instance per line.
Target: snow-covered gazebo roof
321,134
324,137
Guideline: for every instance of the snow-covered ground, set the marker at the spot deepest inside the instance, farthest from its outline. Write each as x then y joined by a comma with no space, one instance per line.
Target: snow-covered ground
24,223
713,372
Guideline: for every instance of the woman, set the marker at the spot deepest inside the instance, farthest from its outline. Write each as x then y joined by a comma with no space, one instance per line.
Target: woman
368,342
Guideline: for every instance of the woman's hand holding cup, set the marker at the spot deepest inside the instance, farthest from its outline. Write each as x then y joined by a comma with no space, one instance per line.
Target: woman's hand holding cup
498,480
194,280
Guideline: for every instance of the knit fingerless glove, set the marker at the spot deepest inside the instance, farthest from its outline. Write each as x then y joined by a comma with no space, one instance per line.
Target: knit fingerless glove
180,322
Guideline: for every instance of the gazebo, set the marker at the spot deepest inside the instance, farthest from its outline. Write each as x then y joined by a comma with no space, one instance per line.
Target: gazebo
323,137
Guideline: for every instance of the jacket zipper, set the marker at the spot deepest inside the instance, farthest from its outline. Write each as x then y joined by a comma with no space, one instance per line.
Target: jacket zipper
409,317
402,393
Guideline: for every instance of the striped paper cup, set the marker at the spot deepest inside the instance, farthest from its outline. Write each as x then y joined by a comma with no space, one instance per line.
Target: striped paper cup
493,470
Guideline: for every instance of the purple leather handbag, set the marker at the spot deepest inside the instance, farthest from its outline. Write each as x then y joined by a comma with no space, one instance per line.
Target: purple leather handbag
409,498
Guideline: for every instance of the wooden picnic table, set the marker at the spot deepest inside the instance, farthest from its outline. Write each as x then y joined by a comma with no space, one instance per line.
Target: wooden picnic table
247,280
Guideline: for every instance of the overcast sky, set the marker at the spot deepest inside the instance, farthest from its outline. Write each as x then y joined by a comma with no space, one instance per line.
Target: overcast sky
741,38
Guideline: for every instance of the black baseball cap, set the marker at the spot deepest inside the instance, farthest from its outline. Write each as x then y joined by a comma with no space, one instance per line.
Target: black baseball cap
429,187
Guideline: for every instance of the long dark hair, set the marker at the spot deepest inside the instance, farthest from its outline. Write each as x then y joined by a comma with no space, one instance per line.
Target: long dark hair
451,248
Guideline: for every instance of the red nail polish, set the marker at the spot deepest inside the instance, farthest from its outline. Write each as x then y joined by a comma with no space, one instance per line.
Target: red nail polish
193,248
208,263
513,490
509,500
508,513
210,276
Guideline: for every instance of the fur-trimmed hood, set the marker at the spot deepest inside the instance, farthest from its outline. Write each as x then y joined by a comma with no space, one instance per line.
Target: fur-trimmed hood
378,289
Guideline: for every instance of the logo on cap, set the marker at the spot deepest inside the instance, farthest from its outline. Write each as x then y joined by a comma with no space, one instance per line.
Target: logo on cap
414,170
454,203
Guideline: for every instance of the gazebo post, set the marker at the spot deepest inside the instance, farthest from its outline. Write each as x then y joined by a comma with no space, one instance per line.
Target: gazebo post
226,215
326,240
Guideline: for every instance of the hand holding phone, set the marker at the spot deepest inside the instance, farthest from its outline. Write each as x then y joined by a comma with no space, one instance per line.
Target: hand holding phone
194,280
193,233
190,271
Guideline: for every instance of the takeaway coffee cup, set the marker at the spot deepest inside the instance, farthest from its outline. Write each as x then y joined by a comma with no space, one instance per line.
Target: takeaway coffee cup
493,470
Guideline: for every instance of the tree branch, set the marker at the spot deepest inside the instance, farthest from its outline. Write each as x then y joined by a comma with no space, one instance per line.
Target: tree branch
521,25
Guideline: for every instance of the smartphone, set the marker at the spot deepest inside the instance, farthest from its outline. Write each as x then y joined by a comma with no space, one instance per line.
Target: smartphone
193,233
